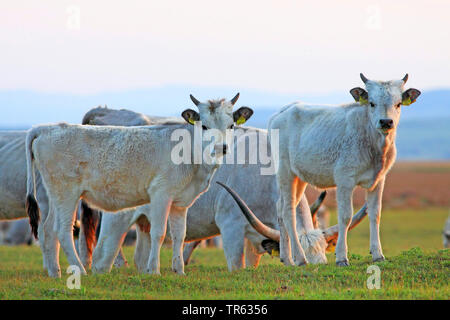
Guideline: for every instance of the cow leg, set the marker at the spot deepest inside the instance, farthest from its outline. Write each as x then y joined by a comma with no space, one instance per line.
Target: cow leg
345,211
120,260
65,216
49,244
292,189
177,222
189,248
113,230
106,251
374,210
159,211
233,244
252,256
285,246
142,249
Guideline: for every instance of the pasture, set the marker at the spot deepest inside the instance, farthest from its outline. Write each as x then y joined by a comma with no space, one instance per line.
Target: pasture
416,268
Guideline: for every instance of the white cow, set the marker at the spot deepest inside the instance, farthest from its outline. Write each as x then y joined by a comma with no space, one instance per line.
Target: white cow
339,146
213,213
114,168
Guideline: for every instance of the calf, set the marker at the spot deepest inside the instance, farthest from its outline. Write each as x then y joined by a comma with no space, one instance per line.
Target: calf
339,146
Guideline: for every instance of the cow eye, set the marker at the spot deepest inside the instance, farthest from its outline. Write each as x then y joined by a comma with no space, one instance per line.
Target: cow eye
231,127
204,127
398,105
372,104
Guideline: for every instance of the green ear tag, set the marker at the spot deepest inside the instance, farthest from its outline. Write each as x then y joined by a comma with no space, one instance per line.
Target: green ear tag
241,120
275,253
407,102
191,121
362,100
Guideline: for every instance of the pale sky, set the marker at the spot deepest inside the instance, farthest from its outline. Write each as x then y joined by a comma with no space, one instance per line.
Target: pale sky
279,46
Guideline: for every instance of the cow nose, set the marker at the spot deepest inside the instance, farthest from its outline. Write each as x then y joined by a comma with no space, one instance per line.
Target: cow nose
386,123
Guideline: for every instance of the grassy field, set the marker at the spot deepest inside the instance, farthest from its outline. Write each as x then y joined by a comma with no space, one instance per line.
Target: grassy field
416,268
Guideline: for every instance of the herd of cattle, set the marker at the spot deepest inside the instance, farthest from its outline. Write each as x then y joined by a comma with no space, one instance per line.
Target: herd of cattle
115,170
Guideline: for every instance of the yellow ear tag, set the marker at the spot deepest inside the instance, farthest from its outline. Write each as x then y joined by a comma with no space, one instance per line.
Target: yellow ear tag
407,102
191,121
362,100
275,253
241,120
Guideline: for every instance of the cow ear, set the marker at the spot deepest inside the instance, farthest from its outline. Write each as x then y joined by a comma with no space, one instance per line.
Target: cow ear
241,115
410,96
360,95
190,116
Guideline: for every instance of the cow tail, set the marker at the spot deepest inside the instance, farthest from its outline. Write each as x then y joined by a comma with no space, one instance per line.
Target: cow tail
89,219
31,203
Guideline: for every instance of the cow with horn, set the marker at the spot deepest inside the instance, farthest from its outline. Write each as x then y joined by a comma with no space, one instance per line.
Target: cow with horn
339,146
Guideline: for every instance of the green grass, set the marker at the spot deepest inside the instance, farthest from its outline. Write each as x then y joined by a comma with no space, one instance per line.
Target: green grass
416,268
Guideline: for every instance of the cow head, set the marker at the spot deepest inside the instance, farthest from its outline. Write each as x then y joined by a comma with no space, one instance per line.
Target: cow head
384,100
215,117
315,243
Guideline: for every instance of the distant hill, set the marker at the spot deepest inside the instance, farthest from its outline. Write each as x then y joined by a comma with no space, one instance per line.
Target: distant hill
424,131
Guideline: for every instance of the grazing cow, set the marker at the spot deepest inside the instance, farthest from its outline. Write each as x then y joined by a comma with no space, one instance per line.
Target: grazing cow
339,146
446,234
115,168
213,213
315,241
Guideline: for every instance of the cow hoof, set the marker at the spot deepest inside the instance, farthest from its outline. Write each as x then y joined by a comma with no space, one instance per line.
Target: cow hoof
379,259
343,263
301,263
180,273
54,273
287,262
153,272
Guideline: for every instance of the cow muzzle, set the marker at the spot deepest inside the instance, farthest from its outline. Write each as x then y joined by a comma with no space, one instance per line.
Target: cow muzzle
385,125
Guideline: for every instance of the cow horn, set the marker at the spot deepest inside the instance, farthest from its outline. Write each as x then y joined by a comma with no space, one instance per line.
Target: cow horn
266,231
195,101
405,78
332,233
363,78
316,205
235,99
